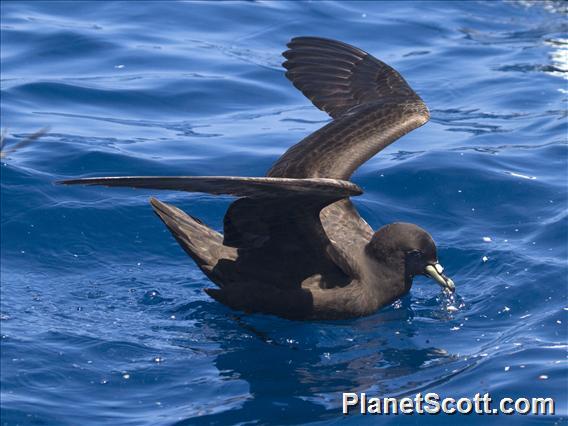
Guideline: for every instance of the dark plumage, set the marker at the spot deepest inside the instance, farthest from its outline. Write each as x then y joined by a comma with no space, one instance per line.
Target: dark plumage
293,243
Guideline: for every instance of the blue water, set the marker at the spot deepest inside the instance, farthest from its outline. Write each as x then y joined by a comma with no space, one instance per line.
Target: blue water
103,317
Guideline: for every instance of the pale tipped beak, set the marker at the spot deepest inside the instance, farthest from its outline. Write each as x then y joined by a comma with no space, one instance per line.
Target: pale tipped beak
436,273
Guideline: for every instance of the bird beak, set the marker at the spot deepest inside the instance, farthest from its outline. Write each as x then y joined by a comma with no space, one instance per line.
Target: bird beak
436,273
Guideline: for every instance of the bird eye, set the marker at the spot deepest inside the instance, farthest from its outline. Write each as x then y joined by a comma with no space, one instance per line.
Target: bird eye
415,253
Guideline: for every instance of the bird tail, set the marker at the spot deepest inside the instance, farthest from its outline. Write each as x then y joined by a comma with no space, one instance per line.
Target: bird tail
201,243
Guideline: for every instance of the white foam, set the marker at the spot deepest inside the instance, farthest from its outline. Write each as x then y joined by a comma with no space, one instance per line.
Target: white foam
519,175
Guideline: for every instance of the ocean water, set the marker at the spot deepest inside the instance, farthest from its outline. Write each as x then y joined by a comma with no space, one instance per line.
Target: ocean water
103,317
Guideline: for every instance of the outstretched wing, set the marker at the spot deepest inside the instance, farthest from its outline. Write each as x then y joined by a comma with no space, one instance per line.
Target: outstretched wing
268,207
276,223
283,189
370,102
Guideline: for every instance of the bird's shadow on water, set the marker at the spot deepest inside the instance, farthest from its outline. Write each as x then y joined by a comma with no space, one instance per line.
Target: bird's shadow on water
297,370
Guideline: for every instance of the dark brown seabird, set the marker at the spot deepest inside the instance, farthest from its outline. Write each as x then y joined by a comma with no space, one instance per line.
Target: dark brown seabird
294,245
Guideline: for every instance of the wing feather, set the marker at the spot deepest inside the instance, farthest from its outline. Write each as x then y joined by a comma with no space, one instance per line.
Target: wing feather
371,104
309,59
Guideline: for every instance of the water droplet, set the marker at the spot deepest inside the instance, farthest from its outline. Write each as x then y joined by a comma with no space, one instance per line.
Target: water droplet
158,359
507,368
126,376
152,297
543,377
487,239
485,259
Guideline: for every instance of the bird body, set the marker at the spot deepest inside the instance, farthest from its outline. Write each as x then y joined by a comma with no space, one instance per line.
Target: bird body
293,244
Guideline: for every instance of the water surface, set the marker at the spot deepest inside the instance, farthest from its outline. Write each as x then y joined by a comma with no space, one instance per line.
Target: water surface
103,317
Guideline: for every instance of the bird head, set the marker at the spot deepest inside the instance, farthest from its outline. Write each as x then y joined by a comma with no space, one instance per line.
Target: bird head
412,248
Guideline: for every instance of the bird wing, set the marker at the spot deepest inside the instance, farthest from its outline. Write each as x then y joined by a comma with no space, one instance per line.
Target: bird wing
275,223
266,206
370,102
283,189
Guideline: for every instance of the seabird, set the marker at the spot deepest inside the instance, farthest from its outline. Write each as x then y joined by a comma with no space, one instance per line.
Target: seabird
293,244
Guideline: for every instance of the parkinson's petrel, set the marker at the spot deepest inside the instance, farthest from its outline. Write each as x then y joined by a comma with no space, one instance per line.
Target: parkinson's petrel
294,245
